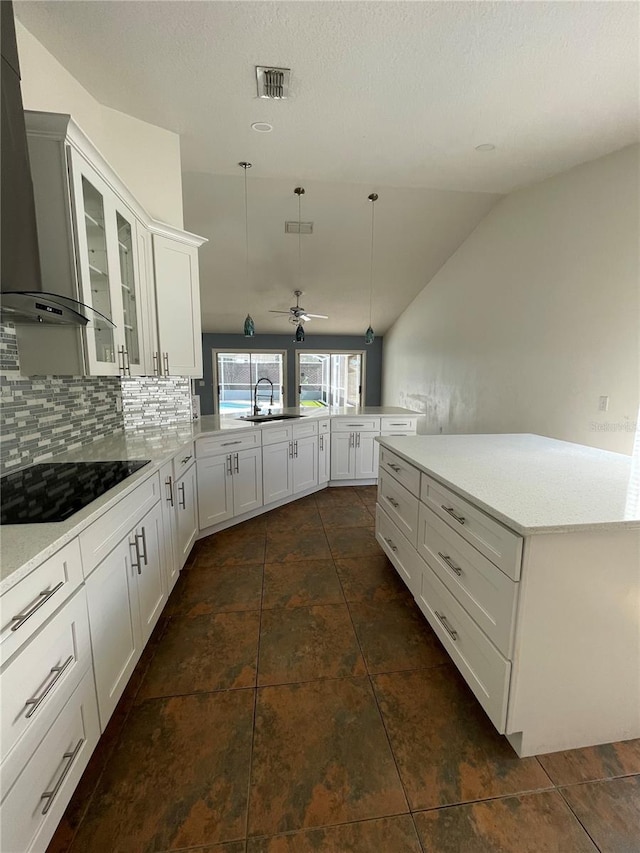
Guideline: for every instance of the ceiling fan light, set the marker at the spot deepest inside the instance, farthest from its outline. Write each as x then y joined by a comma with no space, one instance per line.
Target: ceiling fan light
369,336
299,333
249,326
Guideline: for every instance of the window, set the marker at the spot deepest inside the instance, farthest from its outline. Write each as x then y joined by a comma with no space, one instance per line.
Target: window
330,378
235,376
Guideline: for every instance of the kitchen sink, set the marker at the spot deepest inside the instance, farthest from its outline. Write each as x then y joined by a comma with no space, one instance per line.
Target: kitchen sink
258,419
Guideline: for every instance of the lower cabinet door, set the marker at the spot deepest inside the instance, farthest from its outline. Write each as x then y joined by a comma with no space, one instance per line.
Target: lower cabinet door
366,456
215,490
305,463
168,503
114,619
247,480
277,471
152,590
187,517
324,458
32,808
342,456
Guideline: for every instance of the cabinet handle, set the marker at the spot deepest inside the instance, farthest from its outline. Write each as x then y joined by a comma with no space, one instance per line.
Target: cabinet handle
236,460
143,537
290,450
38,700
165,358
121,368
185,460
229,443
135,564
42,599
459,518
321,442
156,364
450,563
390,544
127,366
229,468
70,757
395,468
295,449
357,439
394,503
182,501
453,634
402,425
351,439
169,482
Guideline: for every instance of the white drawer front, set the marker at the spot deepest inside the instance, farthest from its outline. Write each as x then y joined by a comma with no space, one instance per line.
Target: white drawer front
398,423
403,472
403,556
391,432
39,680
27,605
400,505
305,429
484,669
183,461
216,445
100,538
54,769
485,592
499,544
355,424
324,426
276,434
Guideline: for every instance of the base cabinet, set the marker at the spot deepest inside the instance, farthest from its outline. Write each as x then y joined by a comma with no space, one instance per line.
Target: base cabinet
186,498
229,485
289,467
354,456
324,458
169,526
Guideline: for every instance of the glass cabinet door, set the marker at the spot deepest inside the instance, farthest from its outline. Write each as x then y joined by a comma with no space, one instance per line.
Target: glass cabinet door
130,292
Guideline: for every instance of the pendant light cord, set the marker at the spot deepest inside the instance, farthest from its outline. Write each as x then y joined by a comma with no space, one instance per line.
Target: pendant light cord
246,232
299,243
373,198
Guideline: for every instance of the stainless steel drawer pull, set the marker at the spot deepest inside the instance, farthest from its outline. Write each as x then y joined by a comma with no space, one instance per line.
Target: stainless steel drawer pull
395,468
453,634
357,439
295,449
352,441
128,363
156,364
401,424
450,563
135,564
229,443
182,501
143,536
392,501
169,482
166,363
236,463
185,460
69,757
229,466
42,599
459,518
38,700
390,543
321,442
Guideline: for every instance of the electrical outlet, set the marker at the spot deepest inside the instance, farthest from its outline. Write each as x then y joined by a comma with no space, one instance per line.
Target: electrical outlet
603,403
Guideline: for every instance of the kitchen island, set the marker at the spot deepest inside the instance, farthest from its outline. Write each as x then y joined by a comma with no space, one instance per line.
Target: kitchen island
523,553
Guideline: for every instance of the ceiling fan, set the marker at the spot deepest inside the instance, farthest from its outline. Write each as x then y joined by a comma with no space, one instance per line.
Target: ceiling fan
297,314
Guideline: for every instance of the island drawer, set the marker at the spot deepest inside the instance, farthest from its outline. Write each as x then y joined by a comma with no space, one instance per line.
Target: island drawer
28,604
219,444
402,471
486,593
400,505
402,555
499,544
398,423
355,424
183,461
485,670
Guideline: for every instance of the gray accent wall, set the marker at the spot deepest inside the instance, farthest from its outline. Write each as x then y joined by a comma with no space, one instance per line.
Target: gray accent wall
212,341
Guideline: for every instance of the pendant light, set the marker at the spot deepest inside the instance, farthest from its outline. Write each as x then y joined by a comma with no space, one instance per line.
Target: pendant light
249,325
369,335
299,338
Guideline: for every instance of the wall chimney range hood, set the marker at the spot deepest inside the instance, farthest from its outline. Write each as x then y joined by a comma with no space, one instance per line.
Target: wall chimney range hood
22,299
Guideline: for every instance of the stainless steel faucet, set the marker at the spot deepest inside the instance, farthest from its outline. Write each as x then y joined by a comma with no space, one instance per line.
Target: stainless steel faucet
256,407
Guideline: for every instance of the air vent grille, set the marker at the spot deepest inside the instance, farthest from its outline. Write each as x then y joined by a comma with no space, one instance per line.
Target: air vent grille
273,83
292,227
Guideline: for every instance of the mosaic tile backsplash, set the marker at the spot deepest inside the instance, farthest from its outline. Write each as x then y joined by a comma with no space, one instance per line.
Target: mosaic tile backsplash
45,415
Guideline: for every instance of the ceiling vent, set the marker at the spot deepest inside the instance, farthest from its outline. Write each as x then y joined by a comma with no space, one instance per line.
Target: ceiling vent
273,83
298,227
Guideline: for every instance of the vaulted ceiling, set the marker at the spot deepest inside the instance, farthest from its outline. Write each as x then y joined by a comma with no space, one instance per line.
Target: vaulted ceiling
386,96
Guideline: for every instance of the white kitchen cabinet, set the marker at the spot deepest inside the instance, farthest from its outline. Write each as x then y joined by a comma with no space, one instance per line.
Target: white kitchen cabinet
247,481
186,498
305,463
169,526
177,287
354,456
152,588
229,485
277,475
324,458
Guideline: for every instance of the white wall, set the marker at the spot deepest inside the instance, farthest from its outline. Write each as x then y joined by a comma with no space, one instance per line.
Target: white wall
146,157
534,317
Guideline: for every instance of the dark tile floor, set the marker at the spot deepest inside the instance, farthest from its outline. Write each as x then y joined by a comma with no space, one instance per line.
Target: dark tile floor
293,700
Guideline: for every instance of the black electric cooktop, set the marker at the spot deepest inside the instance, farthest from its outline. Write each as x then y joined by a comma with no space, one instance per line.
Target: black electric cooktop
53,491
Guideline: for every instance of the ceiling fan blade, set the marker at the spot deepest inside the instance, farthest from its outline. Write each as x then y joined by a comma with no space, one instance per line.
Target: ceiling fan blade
319,316
271,311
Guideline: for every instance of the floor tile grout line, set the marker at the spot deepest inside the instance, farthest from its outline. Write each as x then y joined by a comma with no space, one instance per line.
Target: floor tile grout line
307,829
255,712
571,809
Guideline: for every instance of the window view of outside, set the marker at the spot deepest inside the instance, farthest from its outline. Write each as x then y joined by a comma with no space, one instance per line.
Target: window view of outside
330,379
237,374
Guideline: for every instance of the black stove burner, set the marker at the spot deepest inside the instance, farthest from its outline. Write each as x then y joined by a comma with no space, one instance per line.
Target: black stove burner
53,491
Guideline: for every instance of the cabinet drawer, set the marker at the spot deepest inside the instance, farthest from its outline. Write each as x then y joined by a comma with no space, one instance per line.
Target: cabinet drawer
499,544
402,471
183,461
391,432
37,596
485,592
54,769
402,555
324,426
218,444
305,429
355,424
105,533
275,434
484,669
396,424
400,505
39,680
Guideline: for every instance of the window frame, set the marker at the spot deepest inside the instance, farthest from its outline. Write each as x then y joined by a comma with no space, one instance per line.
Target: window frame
363,369
249,352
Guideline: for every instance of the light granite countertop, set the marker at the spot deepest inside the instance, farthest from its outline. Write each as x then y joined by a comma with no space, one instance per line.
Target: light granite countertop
530,483
24,546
